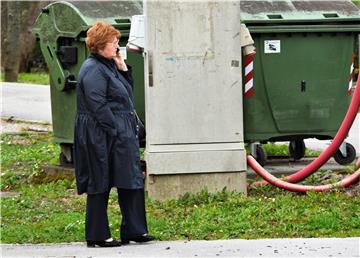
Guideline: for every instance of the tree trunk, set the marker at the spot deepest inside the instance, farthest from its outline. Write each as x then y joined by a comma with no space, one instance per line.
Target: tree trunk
11,41
4,25
31,10
17,40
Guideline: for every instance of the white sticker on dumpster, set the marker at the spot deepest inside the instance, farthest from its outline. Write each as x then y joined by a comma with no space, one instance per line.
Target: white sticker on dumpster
272,46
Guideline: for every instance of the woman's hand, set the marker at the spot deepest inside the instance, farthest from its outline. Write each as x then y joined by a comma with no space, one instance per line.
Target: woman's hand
120,63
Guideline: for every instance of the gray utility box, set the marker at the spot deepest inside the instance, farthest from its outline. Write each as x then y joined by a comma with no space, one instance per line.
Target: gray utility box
193,95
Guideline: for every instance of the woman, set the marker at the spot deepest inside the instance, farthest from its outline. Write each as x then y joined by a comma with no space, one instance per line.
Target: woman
106,141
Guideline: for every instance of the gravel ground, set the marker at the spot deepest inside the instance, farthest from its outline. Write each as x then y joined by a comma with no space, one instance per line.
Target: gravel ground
11,126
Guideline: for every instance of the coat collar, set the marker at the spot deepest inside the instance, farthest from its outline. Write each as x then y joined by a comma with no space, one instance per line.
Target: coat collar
110,63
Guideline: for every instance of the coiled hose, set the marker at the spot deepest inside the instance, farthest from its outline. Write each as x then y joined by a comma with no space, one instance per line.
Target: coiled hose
319,161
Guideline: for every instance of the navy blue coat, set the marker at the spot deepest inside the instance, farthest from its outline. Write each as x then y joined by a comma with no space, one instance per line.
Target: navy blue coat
106,146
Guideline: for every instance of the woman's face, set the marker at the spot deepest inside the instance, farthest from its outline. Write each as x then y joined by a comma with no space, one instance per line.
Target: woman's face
110,48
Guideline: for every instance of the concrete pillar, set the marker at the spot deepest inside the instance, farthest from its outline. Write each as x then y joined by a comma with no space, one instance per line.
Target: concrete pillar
193,97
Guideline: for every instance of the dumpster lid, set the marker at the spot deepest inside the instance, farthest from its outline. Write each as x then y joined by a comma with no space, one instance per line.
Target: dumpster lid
287,11
70,18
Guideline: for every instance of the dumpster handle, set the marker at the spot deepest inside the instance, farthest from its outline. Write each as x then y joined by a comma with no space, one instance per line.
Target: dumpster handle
319,161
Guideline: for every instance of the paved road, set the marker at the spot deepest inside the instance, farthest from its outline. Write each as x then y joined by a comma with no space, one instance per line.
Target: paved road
295,247
26,102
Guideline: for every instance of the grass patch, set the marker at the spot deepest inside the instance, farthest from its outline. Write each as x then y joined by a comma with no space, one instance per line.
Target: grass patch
273,149
53,212
22,156
32,78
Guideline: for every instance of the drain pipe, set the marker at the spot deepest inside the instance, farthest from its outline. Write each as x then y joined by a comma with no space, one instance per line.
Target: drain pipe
324,156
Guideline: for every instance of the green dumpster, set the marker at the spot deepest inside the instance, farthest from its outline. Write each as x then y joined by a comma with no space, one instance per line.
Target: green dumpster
301,70
61,29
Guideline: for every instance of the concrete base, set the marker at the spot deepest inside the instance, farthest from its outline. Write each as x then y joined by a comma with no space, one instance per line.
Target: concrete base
54,173
164,187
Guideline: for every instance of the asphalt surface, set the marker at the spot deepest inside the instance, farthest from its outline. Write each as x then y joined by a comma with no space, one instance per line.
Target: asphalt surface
32,103
28,102
294,247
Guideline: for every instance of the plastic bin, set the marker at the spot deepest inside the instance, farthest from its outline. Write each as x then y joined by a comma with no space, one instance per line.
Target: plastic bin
61,29
304,53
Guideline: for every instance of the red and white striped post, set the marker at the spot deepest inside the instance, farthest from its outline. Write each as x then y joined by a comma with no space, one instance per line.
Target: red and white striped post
351,74
249,75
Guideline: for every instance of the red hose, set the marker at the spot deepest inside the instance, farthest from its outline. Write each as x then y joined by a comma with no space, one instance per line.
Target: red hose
300,188
332,148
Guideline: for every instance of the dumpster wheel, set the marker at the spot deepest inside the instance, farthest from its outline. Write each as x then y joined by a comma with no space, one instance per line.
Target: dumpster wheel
66,155
297,149
64,161
350,155
261,156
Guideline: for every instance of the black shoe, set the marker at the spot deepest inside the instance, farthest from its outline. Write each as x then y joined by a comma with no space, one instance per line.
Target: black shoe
112,243
138,239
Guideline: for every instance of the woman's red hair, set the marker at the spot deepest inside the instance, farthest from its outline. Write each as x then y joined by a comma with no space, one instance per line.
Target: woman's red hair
100,34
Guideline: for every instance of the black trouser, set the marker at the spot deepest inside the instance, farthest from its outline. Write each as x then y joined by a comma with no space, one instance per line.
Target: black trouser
132,205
